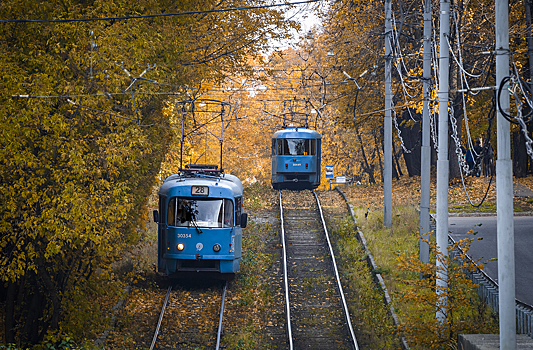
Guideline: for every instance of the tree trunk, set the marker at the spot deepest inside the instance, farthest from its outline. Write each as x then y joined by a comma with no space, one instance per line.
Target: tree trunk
396,160
411,136
366,167
379,153
53,293
520,157
30,333
10,313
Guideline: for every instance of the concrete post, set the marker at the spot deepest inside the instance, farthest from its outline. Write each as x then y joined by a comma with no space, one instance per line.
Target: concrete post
442,162
425,161
504,189
387,176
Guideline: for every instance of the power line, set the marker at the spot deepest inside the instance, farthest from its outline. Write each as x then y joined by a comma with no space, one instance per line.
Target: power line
154,15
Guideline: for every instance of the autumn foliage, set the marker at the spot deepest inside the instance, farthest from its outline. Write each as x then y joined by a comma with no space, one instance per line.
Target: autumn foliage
422,297
86,121
92,113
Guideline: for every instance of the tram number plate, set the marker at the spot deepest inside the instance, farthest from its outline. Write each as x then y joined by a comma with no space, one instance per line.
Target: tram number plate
200,190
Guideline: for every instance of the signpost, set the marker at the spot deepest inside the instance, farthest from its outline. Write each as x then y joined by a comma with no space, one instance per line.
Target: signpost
329,171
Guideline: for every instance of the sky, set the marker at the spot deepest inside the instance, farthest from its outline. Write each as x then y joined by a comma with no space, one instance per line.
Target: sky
305,15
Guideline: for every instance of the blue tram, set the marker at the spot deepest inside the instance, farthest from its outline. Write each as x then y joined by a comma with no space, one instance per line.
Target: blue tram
200,222
296,154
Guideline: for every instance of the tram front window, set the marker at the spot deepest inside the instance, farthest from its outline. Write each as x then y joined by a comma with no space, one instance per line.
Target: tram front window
296,147
185,212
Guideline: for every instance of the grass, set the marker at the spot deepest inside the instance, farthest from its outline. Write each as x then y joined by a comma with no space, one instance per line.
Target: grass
259,196
253,295
372,323
410,298
484,208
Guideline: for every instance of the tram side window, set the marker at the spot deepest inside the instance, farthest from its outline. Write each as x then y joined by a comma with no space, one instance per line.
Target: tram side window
171,219
162,208
180,212
228,213
238,211
279,148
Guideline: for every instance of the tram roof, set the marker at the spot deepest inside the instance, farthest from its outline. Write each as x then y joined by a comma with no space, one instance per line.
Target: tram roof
230,185
296,133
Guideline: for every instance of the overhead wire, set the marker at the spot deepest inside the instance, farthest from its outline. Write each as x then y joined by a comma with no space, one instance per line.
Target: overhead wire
463,81
117,18
394,43
463,167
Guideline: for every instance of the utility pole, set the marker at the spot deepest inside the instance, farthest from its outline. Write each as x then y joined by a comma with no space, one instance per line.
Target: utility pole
504,188
425,161
387,176
442,162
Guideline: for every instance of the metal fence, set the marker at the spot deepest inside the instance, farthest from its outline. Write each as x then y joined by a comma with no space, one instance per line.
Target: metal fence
488,291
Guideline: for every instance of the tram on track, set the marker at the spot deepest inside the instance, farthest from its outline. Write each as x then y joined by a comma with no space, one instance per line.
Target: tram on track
296,158
200,222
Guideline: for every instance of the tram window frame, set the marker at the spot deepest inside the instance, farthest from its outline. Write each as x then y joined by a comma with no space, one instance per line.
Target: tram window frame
162,208
224,218
283,149
228,213
279,148
238,210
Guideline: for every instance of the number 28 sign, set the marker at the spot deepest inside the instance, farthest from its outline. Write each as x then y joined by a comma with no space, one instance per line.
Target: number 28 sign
200,191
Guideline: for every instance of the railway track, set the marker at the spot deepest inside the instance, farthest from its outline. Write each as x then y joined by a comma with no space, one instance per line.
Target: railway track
317,314
183,323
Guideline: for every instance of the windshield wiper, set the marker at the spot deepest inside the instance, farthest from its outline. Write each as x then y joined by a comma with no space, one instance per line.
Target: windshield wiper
191,217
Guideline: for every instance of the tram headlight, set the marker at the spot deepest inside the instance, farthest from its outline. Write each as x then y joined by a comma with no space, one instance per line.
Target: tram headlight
216,247
180,246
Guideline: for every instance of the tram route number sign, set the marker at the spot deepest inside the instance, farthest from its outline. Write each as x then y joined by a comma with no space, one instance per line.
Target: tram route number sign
200,191
329,171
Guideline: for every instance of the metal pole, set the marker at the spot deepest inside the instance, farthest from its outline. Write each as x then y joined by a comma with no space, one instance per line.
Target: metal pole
221,134
387,176
504,189
183,113
425,160
442,162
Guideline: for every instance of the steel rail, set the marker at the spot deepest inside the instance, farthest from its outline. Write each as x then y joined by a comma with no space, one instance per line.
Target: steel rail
341,292
221,315
160,318
285,279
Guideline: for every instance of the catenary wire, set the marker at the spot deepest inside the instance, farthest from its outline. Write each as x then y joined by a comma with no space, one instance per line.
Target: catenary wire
154,15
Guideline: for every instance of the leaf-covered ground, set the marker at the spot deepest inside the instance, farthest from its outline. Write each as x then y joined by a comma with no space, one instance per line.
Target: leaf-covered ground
372,322
255,316
402,238
461,198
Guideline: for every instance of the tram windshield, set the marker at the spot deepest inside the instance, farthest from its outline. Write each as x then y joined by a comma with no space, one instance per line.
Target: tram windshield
186,212
295,147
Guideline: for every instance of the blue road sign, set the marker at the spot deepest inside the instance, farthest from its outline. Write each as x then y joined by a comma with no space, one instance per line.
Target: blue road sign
329,171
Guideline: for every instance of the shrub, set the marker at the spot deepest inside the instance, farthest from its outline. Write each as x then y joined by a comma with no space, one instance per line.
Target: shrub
461,309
